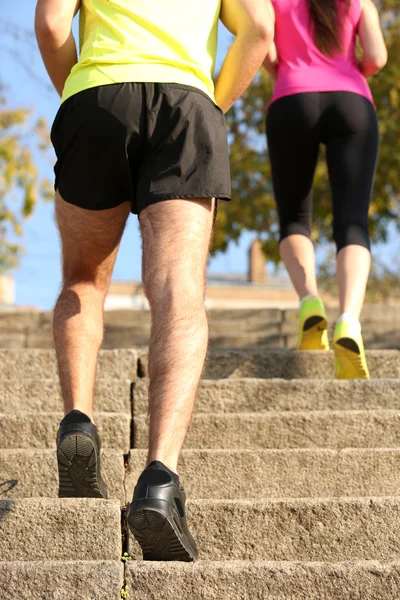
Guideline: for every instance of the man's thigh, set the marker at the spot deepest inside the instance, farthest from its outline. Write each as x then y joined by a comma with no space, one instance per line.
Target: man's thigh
89,240
176,238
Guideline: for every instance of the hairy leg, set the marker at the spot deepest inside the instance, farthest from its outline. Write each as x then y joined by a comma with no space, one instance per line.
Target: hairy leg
90,241
176,237
297,252
352,271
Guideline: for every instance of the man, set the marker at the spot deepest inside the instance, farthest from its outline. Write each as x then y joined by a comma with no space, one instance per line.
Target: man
138,131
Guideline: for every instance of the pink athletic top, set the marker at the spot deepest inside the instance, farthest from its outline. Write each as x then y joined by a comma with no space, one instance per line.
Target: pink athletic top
302,67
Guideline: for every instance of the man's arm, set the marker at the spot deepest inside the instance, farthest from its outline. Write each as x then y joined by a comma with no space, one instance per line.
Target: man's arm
53,27
372,40
251,21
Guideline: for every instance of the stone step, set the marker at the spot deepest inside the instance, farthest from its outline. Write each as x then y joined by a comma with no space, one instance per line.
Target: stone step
285,364
42,529
122,364
224,395
38,430
319,429
34,473
38,395
61,580
208,473
333,529
247,474
41,364
231,580
263,395
376,335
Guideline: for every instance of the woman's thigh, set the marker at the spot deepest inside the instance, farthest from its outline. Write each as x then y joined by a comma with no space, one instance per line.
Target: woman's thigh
293,146
352,144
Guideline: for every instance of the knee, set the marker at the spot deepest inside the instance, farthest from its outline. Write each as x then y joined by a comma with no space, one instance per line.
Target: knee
84,278
352,234
182,292
294,229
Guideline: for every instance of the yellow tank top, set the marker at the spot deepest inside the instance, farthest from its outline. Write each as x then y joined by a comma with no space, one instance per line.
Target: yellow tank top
159,41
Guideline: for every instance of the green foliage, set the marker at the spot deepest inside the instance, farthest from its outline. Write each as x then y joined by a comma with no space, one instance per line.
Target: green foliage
125,557
20,184
125,593
253,207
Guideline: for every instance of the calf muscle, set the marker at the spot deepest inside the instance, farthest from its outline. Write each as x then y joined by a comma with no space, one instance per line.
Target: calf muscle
174,264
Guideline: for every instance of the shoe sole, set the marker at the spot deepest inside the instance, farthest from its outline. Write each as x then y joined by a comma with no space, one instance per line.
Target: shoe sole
346,351
159,536
314,329
77,468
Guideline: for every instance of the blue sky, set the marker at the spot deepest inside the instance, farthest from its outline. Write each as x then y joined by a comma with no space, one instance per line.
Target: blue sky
38,277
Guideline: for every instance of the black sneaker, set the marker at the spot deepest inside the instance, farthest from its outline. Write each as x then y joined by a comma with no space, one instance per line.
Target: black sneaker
157,516
78,457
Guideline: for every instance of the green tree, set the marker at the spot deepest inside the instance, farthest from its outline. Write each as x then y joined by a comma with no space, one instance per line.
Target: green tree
20,184
253,207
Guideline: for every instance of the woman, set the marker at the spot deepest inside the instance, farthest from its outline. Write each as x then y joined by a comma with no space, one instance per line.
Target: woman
322,96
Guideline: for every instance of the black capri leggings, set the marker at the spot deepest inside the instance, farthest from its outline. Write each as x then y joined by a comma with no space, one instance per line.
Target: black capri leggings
347,124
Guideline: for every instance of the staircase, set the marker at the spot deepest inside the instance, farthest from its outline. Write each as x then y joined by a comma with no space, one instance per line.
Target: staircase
293,482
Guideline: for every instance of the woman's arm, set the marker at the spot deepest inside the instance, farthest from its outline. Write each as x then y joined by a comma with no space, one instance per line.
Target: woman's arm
271,62
372,41
53,27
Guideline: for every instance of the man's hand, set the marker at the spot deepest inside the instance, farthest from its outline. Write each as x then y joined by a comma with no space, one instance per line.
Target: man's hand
53,27
252,22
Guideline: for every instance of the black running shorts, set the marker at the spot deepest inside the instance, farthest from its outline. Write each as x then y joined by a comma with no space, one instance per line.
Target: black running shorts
142,142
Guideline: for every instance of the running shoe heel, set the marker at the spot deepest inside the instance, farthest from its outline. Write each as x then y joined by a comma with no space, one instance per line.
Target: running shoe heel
350,359
157,516
313,325
160,538
78,469
315,334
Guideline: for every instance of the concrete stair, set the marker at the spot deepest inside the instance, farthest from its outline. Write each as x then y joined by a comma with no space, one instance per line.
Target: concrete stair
41,364
52,548
317,429
69,580
38,430
250,580
32,473
285,364
264,395
221,364
273,473
292,480
251,328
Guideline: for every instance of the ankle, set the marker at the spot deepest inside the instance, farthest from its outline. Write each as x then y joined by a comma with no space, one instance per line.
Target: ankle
350,319
76,415
170,464
309,295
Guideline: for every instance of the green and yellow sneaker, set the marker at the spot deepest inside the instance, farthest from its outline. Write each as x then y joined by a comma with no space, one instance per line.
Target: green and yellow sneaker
350,360
313,324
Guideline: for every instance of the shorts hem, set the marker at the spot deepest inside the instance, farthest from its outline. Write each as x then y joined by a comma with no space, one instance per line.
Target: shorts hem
177,196
92,207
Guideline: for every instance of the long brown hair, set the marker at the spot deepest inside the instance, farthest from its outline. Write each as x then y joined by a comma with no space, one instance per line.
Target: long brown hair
328,28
